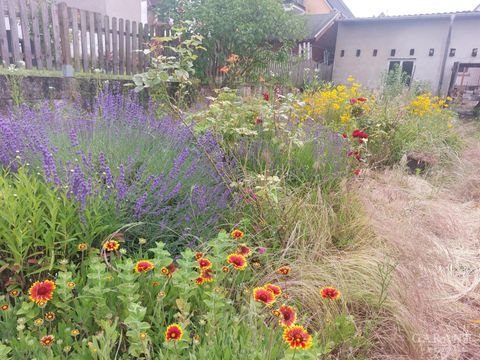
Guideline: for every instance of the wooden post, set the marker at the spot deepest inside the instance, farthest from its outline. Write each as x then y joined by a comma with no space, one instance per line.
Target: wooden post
128,47
93,46
3,36
100,32
56,36
25,33
121,47
141,47
83,36
37,49
108,49
115,45
65,33
12,17
73,14
134,46
46,34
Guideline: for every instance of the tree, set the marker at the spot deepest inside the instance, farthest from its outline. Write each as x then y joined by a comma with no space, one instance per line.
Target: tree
258,31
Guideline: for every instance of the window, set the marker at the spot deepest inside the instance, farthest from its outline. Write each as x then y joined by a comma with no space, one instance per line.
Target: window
412,52
475,52
375,52
342,53
431,52
358,52
452,52
407,69
393,52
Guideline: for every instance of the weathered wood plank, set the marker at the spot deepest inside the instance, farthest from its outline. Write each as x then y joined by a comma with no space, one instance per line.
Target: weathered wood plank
128,47
141,46
83,36
4,53
100,34
65,34
146,58
115,45
57,42
121,47
134,53
37,48
27,47
108,49
12,17
47,42
74,16
93,46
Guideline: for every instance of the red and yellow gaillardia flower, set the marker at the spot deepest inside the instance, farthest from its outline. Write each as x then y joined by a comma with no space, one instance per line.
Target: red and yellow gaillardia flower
297,337
144,266
82,247
238,261
5,307
264,296
237,234
225,269
207,275
288,315
204,263
50,316
275,289
244,250
199,255
284,270
111,245
199,280
47,340
173,333
330,293
276,313
14,293
42,291
165,271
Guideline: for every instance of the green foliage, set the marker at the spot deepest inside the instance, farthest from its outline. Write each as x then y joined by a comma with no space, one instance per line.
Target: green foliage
39,225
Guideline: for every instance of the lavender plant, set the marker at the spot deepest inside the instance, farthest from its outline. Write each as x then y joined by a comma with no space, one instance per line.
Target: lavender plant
154,171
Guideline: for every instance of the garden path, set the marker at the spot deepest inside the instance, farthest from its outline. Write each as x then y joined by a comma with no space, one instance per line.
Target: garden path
433,227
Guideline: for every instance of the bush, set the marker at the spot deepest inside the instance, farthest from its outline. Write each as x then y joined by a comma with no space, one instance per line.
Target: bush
151,171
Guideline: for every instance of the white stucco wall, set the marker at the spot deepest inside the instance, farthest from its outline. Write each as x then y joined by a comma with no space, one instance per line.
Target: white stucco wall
403,34
121,9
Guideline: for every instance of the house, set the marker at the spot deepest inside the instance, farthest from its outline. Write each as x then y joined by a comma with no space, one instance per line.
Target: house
318,7
440,50
121,9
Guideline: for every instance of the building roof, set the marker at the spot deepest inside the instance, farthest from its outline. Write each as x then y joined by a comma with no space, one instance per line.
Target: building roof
413,16
316,23
341,7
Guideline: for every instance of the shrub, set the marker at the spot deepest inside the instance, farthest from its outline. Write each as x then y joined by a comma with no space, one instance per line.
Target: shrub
153,171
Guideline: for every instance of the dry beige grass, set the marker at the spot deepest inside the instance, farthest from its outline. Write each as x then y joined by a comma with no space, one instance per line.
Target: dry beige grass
435,232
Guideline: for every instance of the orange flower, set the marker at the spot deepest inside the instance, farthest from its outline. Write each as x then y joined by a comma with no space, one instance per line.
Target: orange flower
111,245
237,234
275,289
225,269
42,291
288,315
14,293
173,333
224,69
330,293
207,275
276,313
297,337
238,261
165,271
50,316
233,59
199,255
204,263
144,266
284,270
82,247
244,250
47,340
5,307
263,295
199,280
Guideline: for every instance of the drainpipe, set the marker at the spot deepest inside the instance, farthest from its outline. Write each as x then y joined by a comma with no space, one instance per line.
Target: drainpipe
445,55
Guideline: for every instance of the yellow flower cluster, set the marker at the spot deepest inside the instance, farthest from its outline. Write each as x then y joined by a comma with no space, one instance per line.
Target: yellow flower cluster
335,106
426,104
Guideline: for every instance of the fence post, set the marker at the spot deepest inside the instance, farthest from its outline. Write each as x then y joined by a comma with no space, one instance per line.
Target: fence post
64,33
3,36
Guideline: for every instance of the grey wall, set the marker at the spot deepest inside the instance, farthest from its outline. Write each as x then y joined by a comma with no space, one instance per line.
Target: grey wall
124,9
403,34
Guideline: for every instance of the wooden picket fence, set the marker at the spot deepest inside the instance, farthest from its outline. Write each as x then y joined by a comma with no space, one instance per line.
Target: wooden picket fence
46,36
